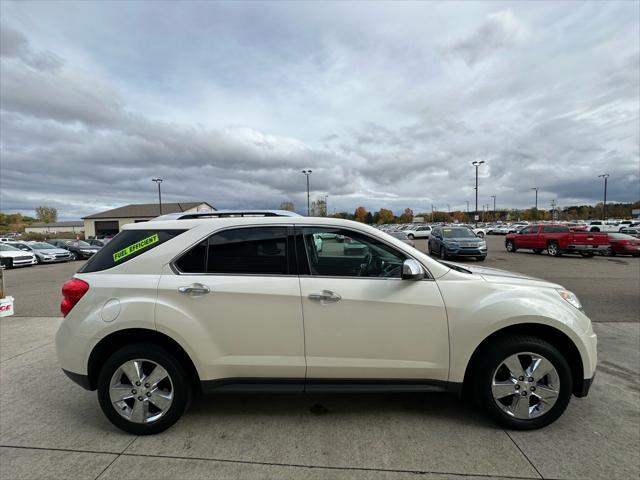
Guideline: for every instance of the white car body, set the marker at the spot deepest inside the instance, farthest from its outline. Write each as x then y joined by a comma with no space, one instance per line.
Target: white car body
599,226
12,257
415,335
423,231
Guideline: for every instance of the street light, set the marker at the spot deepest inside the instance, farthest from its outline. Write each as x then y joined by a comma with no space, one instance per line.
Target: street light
158,182
468,219
604,205
307,172
494,207
476,164
536,210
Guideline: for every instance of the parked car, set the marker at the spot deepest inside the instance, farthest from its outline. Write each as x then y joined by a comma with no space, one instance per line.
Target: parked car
622,244
633,231
556,240
97,242
44,252
422,231
11,257
403,237
78,249
600,226
457,242
352,247
242,304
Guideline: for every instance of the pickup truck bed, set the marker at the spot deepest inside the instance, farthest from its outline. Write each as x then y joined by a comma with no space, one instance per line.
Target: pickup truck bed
556,240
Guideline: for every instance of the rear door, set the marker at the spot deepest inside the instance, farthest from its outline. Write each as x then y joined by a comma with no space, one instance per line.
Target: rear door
234,298
362,321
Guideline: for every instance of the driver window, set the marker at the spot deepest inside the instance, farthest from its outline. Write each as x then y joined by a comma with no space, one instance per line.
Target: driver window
347,253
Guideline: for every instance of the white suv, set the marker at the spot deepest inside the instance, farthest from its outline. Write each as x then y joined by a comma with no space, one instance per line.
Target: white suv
235,303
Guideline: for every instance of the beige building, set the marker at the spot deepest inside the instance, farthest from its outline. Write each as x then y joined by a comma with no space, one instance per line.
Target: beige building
110,222
57,227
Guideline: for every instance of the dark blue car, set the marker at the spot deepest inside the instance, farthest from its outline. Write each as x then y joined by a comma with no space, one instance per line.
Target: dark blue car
456,242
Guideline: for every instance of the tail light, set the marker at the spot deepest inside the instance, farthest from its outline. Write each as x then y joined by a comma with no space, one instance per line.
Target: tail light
72,291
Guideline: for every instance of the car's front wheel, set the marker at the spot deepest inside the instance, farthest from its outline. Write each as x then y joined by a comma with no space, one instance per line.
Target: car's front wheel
143,389
523,382
443,252
73,256
510,246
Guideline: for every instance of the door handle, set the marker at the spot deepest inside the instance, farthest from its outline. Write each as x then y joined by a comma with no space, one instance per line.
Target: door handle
327,296
195,289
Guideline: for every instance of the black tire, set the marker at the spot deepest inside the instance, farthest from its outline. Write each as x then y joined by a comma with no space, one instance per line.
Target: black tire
411,236
443,252
510,246
481,259
73,256
611,252
480,234
7,262
594,229
537,251
553,249
180,381
490,361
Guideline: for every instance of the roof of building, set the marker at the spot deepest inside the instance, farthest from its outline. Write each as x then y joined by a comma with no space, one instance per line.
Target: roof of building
77,223
146,210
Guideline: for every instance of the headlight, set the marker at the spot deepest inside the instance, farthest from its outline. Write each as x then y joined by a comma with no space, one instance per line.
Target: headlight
571,298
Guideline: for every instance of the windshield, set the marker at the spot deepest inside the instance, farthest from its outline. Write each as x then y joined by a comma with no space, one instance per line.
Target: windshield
8,248
79,243
42,246
457,233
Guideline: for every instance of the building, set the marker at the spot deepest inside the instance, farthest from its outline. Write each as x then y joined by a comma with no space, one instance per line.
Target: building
110,222
56,227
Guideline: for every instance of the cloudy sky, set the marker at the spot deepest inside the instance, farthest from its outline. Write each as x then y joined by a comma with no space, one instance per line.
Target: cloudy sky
388,103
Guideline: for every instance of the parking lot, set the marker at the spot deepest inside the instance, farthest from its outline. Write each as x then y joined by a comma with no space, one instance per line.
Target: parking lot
50,428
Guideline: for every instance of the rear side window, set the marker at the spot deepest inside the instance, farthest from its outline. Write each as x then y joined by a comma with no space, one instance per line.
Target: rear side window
240,251
127,245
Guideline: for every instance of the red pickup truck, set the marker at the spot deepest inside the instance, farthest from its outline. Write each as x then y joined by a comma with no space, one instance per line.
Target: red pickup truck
556,240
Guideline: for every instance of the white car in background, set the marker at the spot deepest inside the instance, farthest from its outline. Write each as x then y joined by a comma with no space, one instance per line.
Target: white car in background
11,257
248,304
418,231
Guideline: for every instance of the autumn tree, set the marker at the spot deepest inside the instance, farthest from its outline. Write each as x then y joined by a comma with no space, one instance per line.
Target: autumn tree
360,215
319,208
407,216
386,216
47,214
288,206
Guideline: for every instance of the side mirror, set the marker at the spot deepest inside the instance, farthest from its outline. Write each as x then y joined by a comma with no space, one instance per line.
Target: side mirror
412,270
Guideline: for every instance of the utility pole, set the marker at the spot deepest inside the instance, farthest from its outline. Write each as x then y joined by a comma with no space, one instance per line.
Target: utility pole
308,172
604,205
476,164
536,209
158,182
553,210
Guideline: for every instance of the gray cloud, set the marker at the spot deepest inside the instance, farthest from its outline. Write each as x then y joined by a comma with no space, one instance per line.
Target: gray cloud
230,114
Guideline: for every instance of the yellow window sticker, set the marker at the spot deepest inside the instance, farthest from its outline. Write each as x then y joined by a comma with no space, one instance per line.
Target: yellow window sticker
144,243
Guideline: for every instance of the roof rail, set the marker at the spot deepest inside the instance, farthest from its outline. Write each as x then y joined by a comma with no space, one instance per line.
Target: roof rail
226,214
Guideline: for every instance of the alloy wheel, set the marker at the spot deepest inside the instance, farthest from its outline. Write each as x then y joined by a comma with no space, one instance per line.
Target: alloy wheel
525,385
141,391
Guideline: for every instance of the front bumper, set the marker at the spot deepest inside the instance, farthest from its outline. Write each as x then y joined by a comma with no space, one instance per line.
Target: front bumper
466,252
55,259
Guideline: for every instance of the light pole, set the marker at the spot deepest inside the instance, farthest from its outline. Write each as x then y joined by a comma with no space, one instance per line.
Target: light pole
158,182
468,219
494,207
536,209
476,164
307,172
604,205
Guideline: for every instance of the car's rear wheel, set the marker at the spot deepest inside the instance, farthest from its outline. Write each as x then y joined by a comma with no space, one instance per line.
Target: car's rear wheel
411,236
510,246
611,252
143,389
553,249
523,382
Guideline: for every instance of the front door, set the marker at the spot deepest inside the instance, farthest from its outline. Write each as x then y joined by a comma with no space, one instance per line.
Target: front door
235,299
361,320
